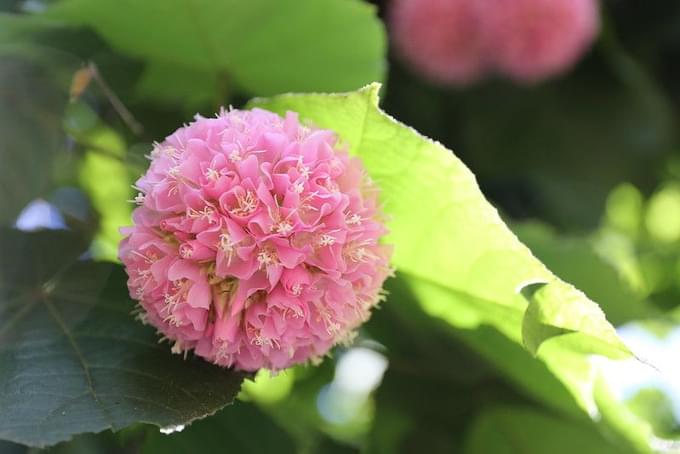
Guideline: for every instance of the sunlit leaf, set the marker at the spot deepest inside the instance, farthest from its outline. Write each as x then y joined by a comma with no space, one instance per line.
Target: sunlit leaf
461,261
559,309
73,358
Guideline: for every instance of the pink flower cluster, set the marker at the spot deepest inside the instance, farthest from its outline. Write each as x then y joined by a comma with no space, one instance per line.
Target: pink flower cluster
256,241
461,41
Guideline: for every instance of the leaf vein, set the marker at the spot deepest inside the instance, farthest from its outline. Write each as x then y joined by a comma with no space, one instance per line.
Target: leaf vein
79,354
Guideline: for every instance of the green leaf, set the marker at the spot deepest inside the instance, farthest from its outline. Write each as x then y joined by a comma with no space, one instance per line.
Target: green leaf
557,309
462,263
171,84
264,46
515,430
73,358
18,27
242,428
534,331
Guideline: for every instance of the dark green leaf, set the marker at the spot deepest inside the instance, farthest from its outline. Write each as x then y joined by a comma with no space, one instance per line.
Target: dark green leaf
73,358
543,136
31,104
242,428
7,447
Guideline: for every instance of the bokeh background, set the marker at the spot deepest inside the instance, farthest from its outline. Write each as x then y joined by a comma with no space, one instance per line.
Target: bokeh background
583,163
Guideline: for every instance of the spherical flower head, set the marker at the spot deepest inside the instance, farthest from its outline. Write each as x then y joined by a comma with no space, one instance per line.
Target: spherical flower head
444,40
536,39
256,241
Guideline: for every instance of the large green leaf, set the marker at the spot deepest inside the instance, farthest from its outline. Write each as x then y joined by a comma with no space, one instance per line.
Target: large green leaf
517,430
461,261
73,358
172,84
263,46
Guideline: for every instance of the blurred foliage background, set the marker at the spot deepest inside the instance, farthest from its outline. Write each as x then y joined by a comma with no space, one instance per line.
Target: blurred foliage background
585,168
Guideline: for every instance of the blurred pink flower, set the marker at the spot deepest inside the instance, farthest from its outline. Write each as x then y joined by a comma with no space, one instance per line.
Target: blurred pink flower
442,39
461,41
536,39
255,241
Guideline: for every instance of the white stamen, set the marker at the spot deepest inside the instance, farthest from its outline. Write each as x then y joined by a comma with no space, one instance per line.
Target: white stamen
327,240
223,354
171,152
353,219
173,172
296,289
234,156
298,187
360,254
247,204
227,246
139,199
173,319
212,174
265,258
260,341
177,348
147,259
206,213
283,228
303,169
186,251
